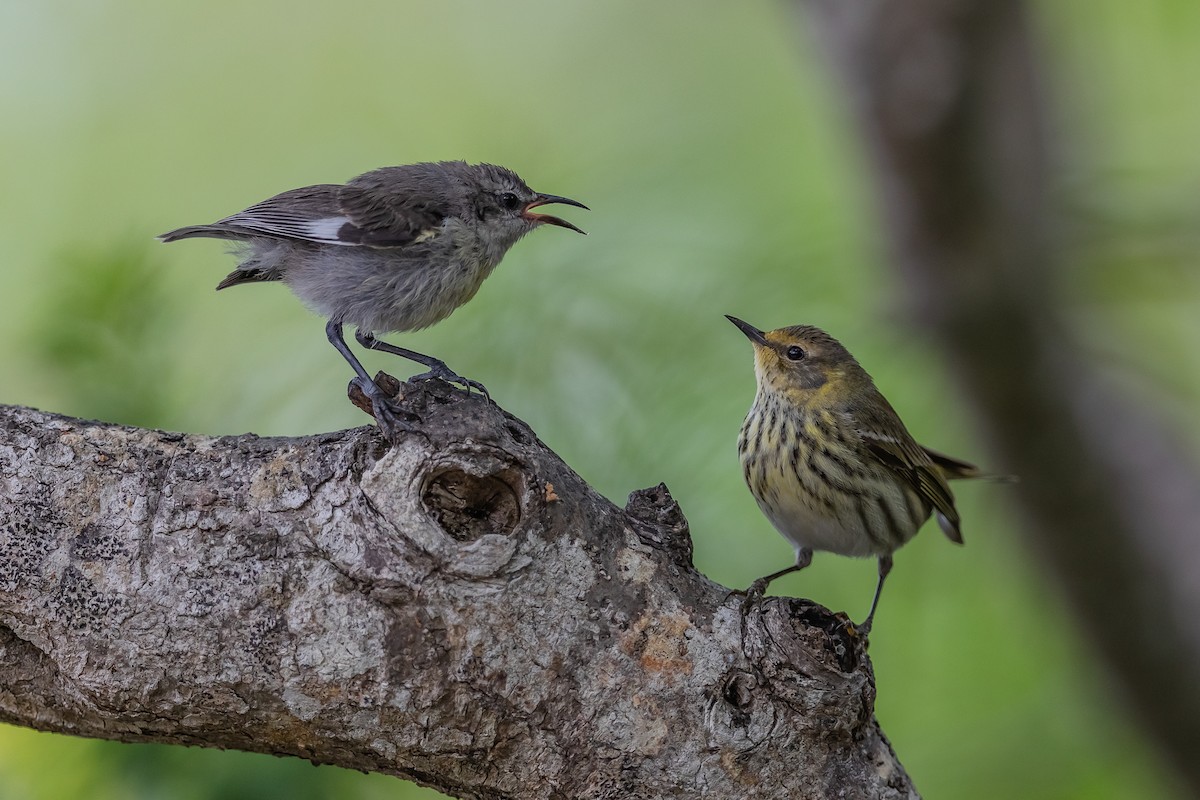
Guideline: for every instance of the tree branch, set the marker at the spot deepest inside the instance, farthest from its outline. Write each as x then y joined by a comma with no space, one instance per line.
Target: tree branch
948,99
459,609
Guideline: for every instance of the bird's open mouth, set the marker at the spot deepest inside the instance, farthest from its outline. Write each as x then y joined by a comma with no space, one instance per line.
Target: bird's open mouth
546,199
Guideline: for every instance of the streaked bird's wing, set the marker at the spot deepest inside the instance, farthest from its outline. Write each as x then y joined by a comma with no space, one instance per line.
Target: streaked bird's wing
954,468
889,441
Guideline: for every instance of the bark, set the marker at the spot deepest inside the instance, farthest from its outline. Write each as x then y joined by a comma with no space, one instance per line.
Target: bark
458,608
948,98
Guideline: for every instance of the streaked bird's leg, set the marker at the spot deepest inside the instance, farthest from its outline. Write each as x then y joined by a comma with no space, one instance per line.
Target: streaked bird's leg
885,566
759,587
437,367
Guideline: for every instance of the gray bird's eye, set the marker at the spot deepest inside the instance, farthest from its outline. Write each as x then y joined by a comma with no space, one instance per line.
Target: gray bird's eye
794,353
510,201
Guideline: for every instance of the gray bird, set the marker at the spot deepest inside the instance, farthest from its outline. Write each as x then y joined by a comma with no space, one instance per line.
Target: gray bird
395,249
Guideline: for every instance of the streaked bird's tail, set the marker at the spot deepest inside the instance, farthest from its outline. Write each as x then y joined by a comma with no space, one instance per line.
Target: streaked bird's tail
954,469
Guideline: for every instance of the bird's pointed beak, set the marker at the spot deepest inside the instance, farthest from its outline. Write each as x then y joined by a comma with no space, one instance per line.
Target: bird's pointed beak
752,333
546,199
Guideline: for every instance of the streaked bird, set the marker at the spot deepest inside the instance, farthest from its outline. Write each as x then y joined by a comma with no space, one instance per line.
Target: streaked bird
829,461
395,249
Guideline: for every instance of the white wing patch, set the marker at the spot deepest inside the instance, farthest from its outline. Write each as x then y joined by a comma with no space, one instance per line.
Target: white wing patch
327,229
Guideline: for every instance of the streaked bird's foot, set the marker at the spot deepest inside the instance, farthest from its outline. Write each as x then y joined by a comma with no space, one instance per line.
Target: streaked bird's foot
734,593
758,589
862,631
753,596
444,373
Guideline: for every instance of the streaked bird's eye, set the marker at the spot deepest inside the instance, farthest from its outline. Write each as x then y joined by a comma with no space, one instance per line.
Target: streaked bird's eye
794,353
510,201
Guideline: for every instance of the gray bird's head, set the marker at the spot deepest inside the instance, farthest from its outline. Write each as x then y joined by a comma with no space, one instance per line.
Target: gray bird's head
505,203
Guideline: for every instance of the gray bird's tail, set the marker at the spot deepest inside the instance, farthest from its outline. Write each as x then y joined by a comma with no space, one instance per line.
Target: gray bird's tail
259,263
209,231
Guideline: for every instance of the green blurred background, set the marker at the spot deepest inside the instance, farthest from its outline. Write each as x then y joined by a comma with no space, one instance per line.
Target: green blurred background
724,177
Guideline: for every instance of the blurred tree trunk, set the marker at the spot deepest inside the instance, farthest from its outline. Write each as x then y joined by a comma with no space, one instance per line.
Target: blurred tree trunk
459,609
948,98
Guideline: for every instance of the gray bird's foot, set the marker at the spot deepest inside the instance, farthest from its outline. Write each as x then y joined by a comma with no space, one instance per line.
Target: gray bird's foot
443,373
391,419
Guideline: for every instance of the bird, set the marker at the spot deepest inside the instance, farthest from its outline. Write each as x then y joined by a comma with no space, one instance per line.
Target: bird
829,461
392,250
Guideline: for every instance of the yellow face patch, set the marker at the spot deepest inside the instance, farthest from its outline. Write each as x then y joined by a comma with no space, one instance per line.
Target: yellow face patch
813,378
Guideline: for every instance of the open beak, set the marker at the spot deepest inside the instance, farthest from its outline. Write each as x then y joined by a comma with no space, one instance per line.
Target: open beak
546,199
752,333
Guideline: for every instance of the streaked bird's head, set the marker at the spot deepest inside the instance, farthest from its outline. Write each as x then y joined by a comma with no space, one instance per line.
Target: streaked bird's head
803,363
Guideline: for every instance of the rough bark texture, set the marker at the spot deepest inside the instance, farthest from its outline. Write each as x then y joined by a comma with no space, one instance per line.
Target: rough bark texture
460,609
949,101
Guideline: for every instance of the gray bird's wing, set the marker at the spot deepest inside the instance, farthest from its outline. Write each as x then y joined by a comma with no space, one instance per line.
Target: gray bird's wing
311,214
388,218
338,215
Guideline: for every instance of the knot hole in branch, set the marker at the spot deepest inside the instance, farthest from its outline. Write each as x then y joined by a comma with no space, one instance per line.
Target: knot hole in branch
468,506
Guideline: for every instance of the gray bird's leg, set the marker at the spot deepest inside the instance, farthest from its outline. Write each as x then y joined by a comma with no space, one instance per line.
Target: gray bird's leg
382,407
885,566
437,367
759,587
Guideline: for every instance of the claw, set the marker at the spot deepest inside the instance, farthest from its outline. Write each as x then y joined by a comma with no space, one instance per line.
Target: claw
444,373
758,589
387,414
754,595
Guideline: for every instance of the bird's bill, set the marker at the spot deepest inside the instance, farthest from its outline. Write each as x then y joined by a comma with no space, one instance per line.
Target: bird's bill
752,333
546,199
